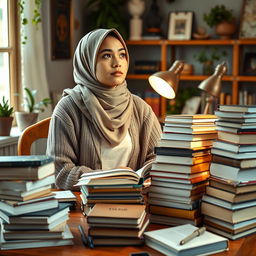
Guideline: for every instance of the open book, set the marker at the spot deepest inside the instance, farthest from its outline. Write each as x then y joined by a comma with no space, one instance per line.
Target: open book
115,176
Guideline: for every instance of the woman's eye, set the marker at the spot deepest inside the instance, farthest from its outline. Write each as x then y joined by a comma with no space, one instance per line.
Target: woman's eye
123,55
106,56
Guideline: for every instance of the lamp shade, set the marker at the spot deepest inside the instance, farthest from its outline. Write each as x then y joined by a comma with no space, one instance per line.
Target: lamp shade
212,85
166,83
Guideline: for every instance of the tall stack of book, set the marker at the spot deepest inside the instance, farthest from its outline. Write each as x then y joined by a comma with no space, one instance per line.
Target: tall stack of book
117,224
181,170
229,205
30,215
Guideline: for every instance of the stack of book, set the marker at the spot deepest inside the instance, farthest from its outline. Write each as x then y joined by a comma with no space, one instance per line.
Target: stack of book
181,170
113,186
30,214
117,224
229,205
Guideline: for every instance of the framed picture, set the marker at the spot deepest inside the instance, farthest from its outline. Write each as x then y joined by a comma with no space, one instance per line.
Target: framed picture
61,29
192,105
180,25
250,63
248,21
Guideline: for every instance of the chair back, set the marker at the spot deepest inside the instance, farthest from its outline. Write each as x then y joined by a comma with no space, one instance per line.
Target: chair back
32,133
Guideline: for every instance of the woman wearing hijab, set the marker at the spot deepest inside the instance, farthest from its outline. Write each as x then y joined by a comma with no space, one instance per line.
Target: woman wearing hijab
99,124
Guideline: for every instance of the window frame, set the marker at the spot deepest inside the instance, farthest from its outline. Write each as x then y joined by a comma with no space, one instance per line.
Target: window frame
13,50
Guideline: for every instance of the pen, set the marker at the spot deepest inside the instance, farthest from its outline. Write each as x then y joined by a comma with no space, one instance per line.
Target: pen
83,236
197,232
87,240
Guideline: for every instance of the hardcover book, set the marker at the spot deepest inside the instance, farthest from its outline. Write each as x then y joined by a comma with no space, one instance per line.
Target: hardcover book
199,118
181,152
185,144
243,155
167,241
233,173
178,168
237,138
188,137
116,213
238,108
241,163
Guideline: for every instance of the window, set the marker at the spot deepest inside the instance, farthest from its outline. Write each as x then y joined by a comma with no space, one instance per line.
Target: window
8,51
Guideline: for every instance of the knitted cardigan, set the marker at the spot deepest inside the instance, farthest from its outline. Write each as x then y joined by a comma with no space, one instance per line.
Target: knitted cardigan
75,145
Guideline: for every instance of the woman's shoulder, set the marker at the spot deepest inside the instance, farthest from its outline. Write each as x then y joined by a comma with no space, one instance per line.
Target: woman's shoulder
141,107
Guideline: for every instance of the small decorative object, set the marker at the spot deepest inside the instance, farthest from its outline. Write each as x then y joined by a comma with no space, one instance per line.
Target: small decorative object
249,66
188,69
207,58
32,108
222,19
153,21
248,21
136,9
201,34
5,117
180,25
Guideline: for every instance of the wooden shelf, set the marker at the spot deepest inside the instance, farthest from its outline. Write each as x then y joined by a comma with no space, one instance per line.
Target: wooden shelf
237,52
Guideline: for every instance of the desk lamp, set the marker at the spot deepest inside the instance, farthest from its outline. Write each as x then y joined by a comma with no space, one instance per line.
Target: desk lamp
212,85
166,83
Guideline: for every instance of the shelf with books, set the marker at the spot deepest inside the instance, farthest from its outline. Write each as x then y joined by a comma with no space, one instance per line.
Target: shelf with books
236,77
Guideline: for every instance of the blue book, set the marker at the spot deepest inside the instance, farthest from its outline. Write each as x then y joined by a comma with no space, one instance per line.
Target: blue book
31,160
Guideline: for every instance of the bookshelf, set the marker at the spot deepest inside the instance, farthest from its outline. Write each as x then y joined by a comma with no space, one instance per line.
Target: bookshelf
236,77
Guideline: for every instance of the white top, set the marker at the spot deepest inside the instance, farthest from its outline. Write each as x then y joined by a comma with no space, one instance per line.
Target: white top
119,155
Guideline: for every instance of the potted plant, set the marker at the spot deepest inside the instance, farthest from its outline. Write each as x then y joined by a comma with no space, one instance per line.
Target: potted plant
5,117
107,14
31,109
223,20
207,59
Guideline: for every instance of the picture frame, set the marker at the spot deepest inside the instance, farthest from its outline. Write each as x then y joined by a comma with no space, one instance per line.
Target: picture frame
192,105
180,25
248,20
249,67
61,29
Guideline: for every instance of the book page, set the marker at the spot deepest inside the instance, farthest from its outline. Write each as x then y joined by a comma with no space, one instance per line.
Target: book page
144,169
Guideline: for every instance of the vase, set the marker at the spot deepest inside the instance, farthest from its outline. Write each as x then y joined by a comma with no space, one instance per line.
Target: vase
5,125
25,119
136,9
208,68
225,29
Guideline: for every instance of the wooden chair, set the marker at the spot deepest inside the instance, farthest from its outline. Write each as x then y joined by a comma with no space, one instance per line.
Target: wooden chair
32,133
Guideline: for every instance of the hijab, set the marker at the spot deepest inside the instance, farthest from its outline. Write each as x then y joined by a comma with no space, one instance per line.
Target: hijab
108,108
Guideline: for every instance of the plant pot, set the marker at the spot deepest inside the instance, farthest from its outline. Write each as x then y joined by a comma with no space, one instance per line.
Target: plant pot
225,29
25,119
5,125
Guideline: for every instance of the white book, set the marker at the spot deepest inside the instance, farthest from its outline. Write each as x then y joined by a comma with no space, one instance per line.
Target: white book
167,241
233,173
235,148
242,155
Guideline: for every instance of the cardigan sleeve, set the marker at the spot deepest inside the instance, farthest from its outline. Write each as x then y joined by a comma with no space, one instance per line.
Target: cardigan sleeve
63,146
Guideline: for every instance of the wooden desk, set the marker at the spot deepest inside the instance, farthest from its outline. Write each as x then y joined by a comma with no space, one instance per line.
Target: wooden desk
242,247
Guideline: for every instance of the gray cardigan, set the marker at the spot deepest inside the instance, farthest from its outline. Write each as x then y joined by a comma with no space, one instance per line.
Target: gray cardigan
75,145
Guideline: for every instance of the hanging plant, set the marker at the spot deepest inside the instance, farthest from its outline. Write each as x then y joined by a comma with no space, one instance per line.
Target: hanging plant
36,19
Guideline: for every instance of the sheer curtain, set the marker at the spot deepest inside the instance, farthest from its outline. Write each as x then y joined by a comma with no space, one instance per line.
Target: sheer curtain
33,59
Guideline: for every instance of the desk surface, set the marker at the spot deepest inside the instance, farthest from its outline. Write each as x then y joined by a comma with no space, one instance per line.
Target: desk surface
244,246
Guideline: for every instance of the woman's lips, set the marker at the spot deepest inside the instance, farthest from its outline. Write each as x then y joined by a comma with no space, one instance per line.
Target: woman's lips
117,73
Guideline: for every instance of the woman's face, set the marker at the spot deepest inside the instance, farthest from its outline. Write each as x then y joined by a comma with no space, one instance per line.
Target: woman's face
112,65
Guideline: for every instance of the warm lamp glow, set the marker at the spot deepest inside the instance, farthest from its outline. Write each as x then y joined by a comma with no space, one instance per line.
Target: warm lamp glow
166,83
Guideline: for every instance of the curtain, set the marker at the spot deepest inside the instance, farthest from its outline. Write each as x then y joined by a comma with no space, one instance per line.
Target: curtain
33,59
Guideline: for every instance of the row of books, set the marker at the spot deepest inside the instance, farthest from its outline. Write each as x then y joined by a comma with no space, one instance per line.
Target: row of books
229,204
181,170
31,215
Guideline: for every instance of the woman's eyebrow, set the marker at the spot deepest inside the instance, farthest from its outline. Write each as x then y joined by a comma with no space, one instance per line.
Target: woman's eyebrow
109,50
